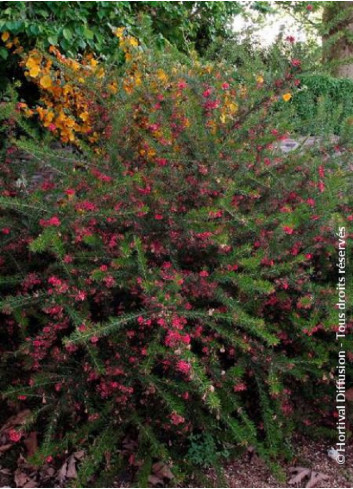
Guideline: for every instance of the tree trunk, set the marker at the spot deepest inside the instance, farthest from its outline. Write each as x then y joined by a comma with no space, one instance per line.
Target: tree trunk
338,37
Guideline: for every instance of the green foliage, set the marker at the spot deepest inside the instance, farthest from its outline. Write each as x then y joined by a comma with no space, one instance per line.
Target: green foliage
87,25
324,104
203,451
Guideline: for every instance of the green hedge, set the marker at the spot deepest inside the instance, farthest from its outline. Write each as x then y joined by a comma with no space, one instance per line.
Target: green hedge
322,95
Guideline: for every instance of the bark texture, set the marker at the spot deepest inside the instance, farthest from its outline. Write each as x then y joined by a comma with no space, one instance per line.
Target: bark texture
338,37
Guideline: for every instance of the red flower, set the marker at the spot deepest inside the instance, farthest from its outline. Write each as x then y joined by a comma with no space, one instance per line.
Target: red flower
177,419
182,85
183,367
53,221
15,436
296,62
288,229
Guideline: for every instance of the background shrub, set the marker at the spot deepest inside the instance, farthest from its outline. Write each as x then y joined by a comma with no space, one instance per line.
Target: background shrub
325,103
176,279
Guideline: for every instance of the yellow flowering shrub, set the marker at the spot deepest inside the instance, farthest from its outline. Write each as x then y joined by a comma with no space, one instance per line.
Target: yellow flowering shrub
72,90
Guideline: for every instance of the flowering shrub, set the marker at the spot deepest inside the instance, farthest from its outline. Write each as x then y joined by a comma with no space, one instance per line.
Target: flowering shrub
179,281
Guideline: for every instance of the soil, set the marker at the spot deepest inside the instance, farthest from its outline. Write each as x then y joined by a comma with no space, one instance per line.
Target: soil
309,454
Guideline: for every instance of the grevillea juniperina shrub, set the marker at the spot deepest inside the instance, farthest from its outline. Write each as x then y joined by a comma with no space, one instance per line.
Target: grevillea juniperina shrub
176,287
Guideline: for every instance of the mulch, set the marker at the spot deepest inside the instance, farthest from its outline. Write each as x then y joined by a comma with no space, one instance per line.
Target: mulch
311,455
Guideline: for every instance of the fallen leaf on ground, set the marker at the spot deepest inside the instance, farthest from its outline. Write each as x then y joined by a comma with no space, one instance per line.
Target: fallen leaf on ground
16,420
69,470
160,471
3,448
23,480
301,473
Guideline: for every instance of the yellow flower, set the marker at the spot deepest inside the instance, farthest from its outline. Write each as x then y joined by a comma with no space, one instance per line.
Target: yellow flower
100,73
34,72
132,41
223,118
84,116
46,81
112,87
260,79
119,32
33,65
286,97
161,75
232,108
48,118
4,36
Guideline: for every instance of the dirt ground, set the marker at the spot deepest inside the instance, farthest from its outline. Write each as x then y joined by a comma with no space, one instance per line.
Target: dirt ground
310,455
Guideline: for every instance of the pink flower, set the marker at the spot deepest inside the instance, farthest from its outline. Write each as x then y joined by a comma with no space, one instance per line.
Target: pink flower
49,459
5,230
52,127
225,86
109,281
54,281
183,367
174,337
94,339
288,229
296,62
15,436
207,93
53,221
204,273
161,161
239,387
177,419
86,205
158,217
80,296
